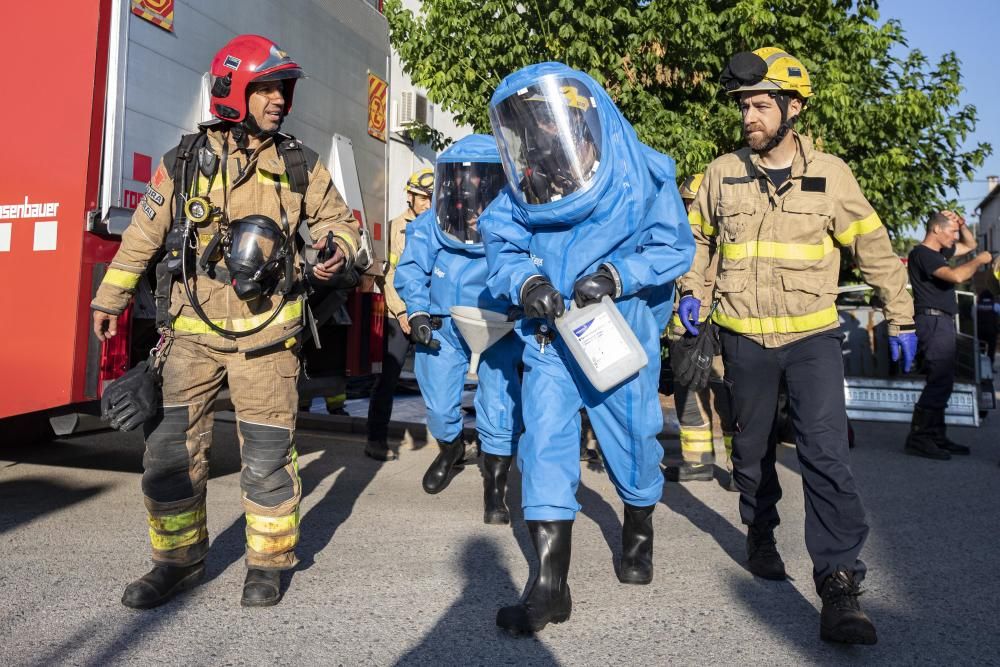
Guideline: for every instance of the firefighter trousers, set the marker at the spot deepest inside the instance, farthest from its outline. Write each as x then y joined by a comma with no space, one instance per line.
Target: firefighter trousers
263,387
694,412
835,524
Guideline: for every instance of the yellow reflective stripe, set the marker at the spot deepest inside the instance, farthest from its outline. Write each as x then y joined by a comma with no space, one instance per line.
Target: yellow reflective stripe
273,525
346,238
172,523
203,182
123,279
782,324
393,259
727,441
696,219
173,541
265,544
675,321
696,440
267,178
857,228
773,249
194,325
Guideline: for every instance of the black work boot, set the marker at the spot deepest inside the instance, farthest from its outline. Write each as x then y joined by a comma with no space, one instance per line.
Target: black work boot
921,440
379,450
941,437
763,559
637,545
160,584
842,619
438,476
261,588
547,599
495,489
689,472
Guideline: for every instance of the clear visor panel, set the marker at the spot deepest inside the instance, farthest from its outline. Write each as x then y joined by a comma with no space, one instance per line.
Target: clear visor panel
462,190
253,245
550,138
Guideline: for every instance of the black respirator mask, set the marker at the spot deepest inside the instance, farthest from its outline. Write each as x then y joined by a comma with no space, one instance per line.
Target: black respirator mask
256,256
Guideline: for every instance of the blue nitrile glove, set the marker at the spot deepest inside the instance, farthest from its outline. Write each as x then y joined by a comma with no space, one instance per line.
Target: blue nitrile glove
907,342
688,311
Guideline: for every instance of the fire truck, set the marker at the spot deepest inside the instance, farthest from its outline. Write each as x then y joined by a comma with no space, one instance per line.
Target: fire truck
103,89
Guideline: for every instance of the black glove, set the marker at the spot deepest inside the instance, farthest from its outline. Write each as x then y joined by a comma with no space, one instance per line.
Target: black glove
540,299
132,399
691,357
421,332
594,286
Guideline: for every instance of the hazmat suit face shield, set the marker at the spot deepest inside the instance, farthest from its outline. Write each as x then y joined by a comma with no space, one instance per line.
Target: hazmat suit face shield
462,191
550,139
254,257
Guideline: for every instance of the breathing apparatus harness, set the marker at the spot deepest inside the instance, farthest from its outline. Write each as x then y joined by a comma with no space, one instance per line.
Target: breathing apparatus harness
273,275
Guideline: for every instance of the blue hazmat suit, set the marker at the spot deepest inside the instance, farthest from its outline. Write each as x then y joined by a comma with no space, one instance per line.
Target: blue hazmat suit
435,273
631,217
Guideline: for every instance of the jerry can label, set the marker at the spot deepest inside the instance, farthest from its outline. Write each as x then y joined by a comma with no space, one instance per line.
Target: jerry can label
601,342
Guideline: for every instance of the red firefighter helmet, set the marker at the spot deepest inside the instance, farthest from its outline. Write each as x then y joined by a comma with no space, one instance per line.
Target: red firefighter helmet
245,59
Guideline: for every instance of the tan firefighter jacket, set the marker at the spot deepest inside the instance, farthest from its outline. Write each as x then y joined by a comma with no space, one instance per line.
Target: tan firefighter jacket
256,193
394,306
779,258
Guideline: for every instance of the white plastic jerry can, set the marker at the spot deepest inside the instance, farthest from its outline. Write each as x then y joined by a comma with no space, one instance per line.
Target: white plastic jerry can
602,343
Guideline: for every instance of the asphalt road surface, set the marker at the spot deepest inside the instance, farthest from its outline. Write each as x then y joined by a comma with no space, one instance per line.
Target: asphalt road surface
392,576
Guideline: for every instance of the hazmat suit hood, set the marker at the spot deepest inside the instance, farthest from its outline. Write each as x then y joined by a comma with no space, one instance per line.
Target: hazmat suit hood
599,150
467,177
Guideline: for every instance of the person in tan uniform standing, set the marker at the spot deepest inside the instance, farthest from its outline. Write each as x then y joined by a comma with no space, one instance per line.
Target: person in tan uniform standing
694,408
419,189
226,206
776,212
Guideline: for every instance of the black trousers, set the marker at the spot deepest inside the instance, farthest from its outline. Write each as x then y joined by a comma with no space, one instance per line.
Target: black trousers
397,345
835,526
936,339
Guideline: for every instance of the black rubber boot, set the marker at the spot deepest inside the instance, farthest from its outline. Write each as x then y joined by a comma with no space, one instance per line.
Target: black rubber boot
842,619
261,588
495,489
438,475
689,472
160,584
637,545
547,599
921,440
763,559
941,437
379,450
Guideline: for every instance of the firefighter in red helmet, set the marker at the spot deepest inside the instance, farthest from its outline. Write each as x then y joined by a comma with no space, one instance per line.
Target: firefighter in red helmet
224,210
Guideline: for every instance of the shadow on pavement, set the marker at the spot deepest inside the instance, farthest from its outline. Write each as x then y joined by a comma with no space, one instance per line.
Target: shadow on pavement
467,634
25,500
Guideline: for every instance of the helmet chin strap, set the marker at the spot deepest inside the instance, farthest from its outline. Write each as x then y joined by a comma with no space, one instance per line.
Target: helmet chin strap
786,123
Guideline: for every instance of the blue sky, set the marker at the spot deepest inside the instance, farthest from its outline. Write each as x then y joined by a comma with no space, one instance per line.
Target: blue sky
970,28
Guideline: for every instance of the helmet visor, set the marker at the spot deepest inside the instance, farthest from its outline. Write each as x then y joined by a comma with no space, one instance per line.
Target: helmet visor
254,243
549,135
462,191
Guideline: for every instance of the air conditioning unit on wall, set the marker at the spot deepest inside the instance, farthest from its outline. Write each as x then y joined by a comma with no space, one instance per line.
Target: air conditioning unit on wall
412,108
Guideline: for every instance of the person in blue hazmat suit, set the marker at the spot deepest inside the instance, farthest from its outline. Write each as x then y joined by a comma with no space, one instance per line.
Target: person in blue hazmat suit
444,265
589,211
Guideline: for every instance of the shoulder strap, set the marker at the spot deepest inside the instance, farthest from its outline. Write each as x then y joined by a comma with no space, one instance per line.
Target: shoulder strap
299,160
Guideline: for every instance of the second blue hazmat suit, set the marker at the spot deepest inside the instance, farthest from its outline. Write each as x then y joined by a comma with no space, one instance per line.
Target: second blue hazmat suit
589,211
442,266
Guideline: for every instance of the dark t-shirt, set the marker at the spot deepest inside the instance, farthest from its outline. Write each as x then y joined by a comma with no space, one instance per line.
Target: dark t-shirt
779,176
928,291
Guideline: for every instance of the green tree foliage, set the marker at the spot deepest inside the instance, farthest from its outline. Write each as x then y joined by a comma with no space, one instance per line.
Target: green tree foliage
897,121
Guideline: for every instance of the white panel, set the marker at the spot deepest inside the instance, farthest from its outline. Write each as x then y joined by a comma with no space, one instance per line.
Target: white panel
5,236
45,235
